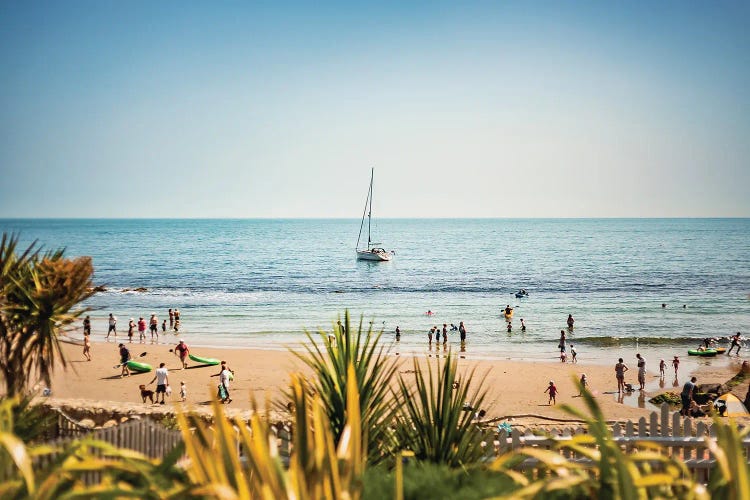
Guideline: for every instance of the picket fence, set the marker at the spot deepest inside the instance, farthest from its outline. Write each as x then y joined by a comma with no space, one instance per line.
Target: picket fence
681,438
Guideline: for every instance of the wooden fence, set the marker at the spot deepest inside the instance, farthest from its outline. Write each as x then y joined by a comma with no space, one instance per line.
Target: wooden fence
679,437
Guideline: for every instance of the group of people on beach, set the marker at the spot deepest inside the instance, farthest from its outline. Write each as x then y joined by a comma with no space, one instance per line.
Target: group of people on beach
141,326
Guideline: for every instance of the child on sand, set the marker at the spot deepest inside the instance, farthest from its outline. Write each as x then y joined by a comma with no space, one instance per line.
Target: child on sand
662,368
573,354
552,389
584,383
563,357
183,389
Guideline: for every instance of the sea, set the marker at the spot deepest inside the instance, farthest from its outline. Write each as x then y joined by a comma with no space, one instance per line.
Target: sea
263,283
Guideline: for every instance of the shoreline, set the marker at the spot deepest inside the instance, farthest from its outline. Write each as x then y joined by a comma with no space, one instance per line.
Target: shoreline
264,374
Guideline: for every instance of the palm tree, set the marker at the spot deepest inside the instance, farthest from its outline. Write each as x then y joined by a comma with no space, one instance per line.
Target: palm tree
38,295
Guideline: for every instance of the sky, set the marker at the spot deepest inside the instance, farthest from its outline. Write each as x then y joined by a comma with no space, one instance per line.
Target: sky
464,109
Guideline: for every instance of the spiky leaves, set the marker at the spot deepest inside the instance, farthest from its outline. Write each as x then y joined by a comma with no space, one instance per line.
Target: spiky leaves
329,355
432,419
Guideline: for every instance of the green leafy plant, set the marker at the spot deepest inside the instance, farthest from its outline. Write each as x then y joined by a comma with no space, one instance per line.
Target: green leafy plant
38,294
433,421
329,357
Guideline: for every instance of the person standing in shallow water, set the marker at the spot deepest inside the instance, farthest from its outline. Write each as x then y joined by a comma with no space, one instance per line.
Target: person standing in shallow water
445,333
398,333
570,321
171,318
641,372
462,331
620,369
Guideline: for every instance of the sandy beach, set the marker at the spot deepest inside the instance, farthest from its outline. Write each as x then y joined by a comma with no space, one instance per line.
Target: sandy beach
514,388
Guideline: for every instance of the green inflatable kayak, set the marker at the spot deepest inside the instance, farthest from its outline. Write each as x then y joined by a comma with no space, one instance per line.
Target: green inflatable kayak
707,352
138,367
205,361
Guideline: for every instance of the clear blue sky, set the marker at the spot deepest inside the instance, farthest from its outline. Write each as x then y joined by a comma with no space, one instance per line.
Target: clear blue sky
492,109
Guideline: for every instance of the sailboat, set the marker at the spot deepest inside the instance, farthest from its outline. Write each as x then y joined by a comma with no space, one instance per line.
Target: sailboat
372,252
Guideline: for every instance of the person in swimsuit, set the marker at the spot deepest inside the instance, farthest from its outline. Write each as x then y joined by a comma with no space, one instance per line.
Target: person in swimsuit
462,331
171,318
523,325
570,321
153,326
445,333
676,364
131,328
510,327
87,325
87,346
662,368
620,369
561,344
398,333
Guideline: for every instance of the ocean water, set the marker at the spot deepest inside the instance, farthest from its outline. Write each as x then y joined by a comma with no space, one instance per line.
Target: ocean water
261,283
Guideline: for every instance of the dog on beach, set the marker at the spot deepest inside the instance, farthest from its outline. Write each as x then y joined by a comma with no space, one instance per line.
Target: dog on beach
146,393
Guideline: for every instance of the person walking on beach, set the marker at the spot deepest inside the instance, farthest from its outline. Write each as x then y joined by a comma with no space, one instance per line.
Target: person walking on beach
183,387
462,331
171,318
124,358
87,346
620,369
641,372
687,396
552,389
87,325
676,364
570,321
142,328
735,343
662,369
131,328
182,351
161,377
573,354
225,375
112,326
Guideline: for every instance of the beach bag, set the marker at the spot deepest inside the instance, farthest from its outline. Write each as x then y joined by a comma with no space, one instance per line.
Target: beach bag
222,392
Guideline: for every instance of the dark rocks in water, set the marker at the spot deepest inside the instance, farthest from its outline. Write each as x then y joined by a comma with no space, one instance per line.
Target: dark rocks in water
139,289
99,288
